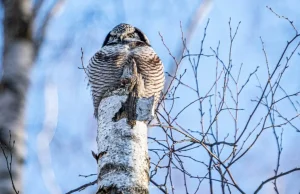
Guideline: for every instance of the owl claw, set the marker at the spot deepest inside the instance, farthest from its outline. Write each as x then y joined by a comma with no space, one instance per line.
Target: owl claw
124,82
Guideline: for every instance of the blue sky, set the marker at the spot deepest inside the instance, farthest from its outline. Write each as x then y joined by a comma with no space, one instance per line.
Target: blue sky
60,106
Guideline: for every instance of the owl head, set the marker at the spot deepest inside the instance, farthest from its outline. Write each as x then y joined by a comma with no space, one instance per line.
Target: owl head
125,33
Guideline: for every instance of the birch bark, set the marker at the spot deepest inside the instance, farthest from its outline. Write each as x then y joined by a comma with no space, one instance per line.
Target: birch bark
123,162
18,56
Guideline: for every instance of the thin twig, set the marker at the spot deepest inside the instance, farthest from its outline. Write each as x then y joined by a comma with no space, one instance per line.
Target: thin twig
275,177
82,187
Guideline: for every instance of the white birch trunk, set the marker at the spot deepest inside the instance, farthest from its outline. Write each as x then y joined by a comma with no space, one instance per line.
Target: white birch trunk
18,56
123,163
15,81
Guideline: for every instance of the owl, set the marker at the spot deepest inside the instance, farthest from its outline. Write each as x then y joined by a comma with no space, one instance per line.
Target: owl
125,44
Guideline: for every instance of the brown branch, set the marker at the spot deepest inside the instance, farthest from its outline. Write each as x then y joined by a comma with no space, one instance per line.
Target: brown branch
8,163
266,86
283,17
275,177
282,124
158,186
199,14
82,65
85,176
82,187
168,155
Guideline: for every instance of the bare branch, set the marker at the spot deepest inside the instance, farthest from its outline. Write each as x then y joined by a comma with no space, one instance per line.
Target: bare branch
283,17
275,177
8,160
82,187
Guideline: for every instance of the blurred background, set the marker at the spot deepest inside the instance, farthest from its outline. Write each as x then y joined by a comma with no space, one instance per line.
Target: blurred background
60,127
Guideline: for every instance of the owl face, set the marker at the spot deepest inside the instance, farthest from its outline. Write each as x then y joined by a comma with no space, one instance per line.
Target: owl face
125,33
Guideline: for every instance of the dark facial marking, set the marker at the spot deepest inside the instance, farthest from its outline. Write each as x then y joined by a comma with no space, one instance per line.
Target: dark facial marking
122,28
106,39
142,36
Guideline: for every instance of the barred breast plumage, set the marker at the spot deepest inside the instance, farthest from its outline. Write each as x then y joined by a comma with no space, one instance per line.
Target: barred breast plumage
123,44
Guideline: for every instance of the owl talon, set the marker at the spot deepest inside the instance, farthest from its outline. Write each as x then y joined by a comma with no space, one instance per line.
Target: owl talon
124,82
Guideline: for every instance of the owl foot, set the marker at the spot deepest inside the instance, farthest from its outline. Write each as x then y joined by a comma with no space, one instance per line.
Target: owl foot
125,81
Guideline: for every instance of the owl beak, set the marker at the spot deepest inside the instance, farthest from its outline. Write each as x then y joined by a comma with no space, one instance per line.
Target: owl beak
121,38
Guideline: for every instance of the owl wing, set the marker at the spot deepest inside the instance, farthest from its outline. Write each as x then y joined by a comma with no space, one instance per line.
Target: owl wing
152,70
104,71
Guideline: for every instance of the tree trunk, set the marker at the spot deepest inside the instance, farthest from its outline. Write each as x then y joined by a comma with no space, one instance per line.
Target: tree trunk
18,56
123,162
